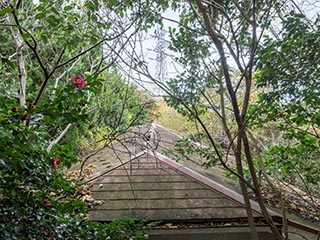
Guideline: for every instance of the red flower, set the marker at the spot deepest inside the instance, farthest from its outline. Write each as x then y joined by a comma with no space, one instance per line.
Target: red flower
79,82
15,109
25,118
46,202
54,162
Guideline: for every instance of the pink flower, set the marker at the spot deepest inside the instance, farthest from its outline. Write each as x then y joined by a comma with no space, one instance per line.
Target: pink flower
54,162
46,202
79,82
45,232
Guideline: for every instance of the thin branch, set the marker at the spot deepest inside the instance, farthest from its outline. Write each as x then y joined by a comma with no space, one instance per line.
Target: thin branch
58,139
243,13
97,44
65,72
34,47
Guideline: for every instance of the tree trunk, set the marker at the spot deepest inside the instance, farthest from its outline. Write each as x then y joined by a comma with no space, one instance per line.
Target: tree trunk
256,185
244,191
237,151
22,69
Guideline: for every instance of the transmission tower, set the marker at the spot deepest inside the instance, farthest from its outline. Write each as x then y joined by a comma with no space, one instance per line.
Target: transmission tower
161,64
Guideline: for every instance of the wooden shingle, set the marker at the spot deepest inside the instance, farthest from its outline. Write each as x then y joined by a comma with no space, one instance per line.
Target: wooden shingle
153,187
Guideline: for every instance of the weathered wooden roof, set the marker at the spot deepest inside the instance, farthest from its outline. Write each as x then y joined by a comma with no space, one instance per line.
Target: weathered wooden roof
150,186
133,142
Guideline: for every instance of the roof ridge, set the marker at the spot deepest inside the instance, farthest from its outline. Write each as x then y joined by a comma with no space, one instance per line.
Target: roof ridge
207,181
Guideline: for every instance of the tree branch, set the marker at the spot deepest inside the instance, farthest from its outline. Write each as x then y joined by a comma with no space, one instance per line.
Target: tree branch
58,139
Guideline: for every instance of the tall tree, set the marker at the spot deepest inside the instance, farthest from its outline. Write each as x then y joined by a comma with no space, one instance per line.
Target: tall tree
216,44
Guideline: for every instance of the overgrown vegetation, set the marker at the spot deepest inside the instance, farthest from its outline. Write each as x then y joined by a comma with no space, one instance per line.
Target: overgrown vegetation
252,90
288,76
249,68
57,92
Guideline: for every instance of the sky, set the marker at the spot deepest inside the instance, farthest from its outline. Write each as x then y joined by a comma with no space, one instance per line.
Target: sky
150,55
310,7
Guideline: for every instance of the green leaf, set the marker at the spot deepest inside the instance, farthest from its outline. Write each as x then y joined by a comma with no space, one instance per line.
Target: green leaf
68,8
10,64
39,16
52,20
5,11
25,36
